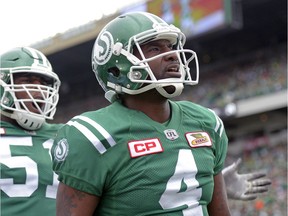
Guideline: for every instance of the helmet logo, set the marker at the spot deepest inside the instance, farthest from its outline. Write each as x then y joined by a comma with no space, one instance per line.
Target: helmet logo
103,48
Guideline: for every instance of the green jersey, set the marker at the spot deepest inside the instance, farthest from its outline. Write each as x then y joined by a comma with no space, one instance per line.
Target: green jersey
141,167
28,183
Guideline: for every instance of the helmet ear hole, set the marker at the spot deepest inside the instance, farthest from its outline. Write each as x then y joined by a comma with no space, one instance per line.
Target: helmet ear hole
114,71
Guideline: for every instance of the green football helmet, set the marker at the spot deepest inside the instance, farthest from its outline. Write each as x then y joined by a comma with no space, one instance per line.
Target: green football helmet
26,61
113,51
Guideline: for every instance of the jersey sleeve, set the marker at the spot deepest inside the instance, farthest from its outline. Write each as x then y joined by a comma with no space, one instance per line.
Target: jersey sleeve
76,160
220,142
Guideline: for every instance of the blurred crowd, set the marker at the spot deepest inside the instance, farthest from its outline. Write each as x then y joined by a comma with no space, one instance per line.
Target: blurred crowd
258,74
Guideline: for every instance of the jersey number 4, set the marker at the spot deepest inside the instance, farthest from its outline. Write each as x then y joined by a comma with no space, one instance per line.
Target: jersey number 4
184,175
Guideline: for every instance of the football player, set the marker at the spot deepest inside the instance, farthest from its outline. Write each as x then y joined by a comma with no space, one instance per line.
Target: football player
145,154
29,95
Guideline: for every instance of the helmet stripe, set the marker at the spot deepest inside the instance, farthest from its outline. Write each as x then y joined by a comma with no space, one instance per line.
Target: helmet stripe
34,55
44,59
39,57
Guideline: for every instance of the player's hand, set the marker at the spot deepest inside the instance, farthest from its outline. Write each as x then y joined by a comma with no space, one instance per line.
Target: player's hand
244,186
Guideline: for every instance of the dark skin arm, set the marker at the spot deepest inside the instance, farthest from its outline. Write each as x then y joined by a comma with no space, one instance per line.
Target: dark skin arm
219,205
72,202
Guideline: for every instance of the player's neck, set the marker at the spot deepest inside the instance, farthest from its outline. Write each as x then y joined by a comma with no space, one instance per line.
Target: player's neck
158,109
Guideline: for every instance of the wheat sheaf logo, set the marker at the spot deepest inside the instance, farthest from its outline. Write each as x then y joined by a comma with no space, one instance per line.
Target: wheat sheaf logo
103,48
198,139
61,150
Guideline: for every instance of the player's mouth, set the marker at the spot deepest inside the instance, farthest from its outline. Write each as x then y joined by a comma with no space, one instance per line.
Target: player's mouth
37,105
173,71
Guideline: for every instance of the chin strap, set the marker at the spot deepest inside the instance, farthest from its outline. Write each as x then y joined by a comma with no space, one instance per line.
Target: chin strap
25,120
111,95
178,90
28,121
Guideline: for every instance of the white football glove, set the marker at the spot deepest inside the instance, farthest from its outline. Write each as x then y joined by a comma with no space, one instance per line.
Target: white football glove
244,186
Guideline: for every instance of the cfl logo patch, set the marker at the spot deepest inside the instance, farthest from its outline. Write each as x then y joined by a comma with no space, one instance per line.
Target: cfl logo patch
171,134
144,147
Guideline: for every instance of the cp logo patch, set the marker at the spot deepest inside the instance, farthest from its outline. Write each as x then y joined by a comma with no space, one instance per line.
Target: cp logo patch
139,148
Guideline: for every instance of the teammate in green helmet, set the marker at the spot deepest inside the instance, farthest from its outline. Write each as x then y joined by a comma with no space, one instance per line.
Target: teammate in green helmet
29,95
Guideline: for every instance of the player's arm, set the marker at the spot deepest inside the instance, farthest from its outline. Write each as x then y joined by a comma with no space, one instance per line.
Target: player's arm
219,204
72,202
244,186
